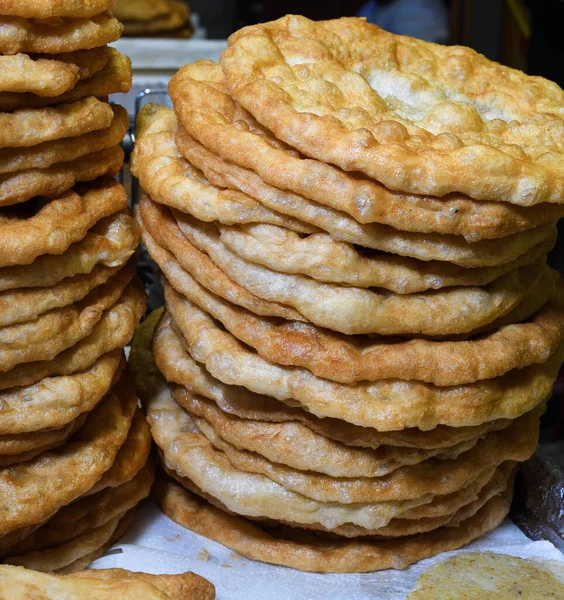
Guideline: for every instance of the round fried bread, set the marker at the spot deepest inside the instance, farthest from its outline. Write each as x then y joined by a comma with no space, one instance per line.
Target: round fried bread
89,62
54,402
64,150
160,224
60,328
60,177
171,180
352,310
35,490
449,510
50,227
26,305
397,527
21,447
299,447
433,476
86,514
63,556
55,8
57,36
349,359
254,161
490,576
114,78
43,77
138,440
248,405
385,405
191,455
113,331
415,116
157,222
325,259
31,126
309,552
423,246
110,243
183,586
186,452
105,584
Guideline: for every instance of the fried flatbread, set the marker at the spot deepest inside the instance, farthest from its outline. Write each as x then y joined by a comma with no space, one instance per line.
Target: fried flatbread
60,177
352,310
490,576
385,405
105,584
114,78
31,126
57,36
415,116
308,552
110,243
60,328
348,359
54,402
50,227
35,490
255,162
113,331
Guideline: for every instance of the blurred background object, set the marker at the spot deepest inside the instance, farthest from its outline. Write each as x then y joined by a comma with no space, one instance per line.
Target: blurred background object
170,18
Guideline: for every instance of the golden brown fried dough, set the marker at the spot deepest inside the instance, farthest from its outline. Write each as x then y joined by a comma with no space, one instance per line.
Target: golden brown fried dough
60,328
110,243
353,359
29,127
105,584
46,154
60,177
85,514
252,160
35,490
114,78
114,329
344,91
56,401
57,36
58,223
308,552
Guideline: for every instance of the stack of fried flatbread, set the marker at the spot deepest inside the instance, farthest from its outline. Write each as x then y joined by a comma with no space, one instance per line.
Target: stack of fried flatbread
154,18
73,446
361,329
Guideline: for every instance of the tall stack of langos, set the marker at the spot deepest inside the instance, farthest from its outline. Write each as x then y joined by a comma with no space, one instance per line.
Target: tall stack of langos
361,330
73,446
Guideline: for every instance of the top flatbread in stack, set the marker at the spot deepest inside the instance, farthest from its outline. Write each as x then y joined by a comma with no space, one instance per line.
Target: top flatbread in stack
361,330
69,299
